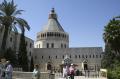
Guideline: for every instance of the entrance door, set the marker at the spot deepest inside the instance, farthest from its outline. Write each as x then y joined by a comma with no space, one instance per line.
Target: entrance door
85,66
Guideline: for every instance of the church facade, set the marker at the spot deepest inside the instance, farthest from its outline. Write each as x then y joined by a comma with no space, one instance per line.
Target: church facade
52,46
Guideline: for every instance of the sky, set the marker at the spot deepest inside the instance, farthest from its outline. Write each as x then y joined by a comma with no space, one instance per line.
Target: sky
84,20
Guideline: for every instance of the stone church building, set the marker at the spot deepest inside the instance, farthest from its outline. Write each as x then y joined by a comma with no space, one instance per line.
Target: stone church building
52,46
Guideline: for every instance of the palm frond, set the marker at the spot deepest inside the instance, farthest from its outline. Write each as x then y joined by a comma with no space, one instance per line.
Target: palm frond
22,24
18,12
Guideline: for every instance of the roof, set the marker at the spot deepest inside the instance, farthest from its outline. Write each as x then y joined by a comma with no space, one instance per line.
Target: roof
53,25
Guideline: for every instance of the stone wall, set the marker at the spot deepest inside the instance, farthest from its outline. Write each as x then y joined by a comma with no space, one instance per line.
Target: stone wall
28,75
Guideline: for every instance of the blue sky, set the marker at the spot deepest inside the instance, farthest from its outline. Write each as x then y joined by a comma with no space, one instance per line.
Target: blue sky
84,20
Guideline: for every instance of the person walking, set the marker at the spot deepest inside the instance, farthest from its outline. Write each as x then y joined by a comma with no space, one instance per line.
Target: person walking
72,71
36,72
8,71
2,68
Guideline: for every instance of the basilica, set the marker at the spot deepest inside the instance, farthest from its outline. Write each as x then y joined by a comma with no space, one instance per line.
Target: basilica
52,47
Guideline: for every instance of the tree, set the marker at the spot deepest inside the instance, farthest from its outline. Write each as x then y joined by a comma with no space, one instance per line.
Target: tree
31,65
9,20
112,35
11,56
111,59
22,56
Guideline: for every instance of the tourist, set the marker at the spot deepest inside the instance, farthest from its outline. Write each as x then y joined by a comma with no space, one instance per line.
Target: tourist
64,72
36,72
2,68
8,71
77,72
72,71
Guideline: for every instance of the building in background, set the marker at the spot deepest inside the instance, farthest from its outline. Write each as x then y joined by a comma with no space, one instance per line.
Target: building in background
13,42
52,45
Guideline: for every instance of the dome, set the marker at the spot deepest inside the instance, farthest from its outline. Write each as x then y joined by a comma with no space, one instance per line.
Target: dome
53,25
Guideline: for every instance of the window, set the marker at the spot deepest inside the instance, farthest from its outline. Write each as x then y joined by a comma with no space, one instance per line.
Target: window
48,34
89,56
100,56
49,57
30,45
30,54
63,56
47,45
96,56
61,45
26,43
35,57
52,45
56,57
82,56
75,56
39,45
65,45
43,35
79,56
70,56
10,39
93,56
42,57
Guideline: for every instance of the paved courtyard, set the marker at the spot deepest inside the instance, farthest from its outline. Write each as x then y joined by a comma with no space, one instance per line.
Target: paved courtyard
46,75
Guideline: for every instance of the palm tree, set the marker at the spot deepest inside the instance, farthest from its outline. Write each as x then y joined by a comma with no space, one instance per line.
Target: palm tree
112,35
9,20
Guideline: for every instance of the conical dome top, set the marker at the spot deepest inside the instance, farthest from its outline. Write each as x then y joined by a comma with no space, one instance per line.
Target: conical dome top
53,25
